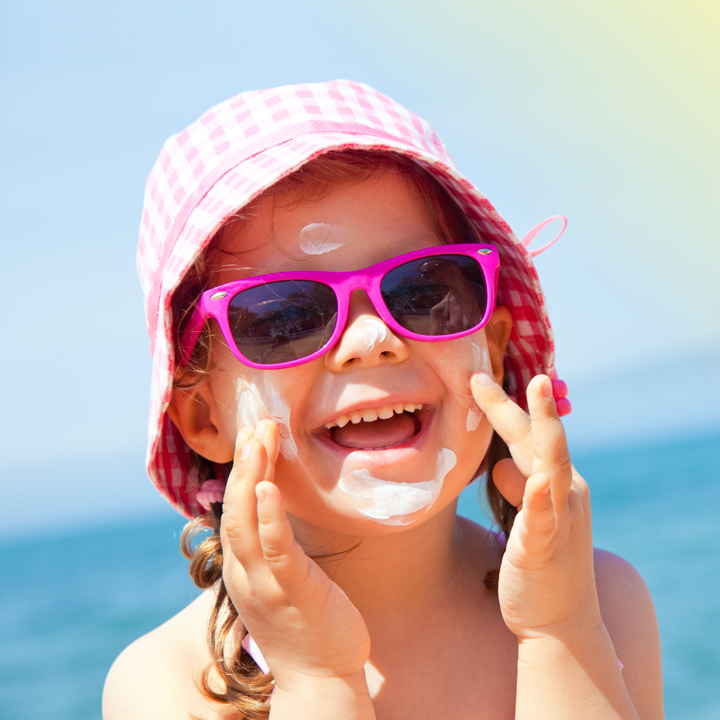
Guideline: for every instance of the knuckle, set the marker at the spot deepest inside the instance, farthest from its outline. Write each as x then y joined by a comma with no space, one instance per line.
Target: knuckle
583,491
545,529
275,548
527,435
500,397
563,464
273,554
231,530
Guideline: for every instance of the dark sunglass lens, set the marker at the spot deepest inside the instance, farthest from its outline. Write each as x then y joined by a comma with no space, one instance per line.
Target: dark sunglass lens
282,321
437,295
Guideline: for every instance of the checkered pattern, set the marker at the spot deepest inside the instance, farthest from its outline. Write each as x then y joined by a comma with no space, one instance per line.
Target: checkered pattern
242,146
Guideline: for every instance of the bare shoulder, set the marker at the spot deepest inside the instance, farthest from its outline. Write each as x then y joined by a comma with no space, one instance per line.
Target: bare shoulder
157,675
629,616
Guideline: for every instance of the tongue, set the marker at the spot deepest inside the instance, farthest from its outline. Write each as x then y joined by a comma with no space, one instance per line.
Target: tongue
379,433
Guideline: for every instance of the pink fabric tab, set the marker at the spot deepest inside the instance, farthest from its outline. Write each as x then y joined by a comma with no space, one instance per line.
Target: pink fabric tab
211,491
532,234
254,651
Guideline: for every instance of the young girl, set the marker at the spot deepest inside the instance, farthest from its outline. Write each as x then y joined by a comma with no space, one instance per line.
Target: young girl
345,334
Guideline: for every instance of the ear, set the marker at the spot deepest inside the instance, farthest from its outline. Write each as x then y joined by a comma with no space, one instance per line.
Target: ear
497,332
193,414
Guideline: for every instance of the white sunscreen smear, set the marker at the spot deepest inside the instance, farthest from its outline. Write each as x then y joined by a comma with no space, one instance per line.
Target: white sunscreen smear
320,238
474,417
389,502
481,361
270,405
375,331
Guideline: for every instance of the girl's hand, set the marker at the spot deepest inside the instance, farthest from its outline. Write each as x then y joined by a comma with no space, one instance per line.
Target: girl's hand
303,623
547,581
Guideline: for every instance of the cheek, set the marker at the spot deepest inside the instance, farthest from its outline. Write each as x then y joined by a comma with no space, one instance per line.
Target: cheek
257,398
458,360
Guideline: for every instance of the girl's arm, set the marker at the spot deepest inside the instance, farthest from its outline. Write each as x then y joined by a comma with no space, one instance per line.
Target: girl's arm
313,638
567,664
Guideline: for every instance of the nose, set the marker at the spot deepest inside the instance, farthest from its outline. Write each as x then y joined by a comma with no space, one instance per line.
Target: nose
366,341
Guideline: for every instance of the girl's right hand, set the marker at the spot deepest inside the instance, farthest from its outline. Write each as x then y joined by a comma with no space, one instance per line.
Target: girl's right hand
305,626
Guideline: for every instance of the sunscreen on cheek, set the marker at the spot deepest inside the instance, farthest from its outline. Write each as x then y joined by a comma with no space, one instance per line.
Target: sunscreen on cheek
390,503
254,406
480,361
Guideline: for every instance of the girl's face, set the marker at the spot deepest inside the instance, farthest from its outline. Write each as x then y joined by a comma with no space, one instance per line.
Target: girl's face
421,437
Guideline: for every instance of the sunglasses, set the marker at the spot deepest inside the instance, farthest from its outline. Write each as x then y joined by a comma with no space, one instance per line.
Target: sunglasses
286,319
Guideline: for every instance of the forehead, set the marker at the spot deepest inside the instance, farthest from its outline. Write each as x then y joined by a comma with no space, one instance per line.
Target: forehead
350,227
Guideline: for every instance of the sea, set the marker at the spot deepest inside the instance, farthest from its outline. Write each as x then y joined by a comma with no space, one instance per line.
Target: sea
70,603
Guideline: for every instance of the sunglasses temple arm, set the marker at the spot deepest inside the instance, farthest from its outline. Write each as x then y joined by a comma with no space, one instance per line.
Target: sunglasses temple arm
191,334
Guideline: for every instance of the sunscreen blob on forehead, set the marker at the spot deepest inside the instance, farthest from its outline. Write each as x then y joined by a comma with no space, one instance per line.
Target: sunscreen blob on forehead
321,238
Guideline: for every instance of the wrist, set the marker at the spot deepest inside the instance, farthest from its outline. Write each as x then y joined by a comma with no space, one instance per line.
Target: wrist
570,674
323,698
586,620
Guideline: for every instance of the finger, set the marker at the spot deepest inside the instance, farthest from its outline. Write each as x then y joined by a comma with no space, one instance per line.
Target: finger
538,514
268,433
509,481
506,417
238,526
551,450
285,558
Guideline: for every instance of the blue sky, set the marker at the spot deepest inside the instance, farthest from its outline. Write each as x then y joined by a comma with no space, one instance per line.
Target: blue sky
606,114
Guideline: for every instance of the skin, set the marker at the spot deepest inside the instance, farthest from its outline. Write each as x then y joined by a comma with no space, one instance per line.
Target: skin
375,632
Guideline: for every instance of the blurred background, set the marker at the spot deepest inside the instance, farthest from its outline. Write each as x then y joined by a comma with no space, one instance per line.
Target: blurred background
606,112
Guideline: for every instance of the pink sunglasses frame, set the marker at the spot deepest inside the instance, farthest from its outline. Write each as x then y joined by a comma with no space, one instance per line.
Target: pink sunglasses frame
215,302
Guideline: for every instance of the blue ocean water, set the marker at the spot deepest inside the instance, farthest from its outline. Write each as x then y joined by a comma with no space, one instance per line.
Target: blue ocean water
69,604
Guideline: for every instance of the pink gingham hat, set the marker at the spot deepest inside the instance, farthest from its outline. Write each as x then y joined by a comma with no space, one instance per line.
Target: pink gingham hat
233,153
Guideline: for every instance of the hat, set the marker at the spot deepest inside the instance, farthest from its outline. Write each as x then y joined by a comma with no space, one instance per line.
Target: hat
238,149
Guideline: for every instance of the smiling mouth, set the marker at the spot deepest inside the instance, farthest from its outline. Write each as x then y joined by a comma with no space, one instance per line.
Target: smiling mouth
376,429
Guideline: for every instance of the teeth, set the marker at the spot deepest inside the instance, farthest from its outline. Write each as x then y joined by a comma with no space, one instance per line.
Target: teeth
371,415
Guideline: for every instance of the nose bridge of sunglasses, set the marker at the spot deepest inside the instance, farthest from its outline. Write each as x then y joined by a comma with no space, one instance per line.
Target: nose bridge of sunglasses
360,305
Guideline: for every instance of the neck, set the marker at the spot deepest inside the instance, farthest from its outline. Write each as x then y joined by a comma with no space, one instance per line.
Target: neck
399,573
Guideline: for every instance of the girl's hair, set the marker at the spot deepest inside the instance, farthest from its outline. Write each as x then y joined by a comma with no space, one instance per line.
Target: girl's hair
247,688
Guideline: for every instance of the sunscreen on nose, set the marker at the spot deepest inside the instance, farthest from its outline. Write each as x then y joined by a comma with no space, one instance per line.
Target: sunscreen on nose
375,331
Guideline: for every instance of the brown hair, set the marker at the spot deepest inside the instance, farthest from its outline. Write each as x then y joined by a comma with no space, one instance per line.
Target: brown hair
247,688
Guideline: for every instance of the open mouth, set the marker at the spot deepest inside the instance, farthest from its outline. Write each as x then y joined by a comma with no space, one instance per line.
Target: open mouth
376,428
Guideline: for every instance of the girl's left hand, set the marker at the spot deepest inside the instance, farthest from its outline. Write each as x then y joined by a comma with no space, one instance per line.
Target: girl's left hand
547,581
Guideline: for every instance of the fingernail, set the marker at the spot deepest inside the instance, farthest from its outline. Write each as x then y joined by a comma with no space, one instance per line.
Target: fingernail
246,451
484,379
260,494
547,389
260,430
